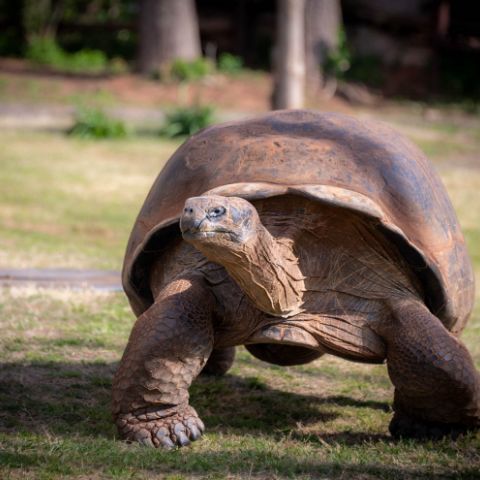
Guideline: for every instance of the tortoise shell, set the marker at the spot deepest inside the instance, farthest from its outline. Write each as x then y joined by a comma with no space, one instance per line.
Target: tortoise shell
360,165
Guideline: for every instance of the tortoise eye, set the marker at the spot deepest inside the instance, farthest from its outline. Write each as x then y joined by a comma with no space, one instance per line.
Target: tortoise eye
216,212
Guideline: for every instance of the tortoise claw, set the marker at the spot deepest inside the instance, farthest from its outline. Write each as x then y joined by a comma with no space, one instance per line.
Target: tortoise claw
163,437
183,440
167,444
180,432
178,428
143,436
195,433
200,425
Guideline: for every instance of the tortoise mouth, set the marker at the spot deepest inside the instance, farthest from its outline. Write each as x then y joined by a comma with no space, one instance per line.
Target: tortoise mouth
209,233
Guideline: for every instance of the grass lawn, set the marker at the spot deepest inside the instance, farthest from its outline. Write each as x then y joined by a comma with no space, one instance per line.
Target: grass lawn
66,202
70,202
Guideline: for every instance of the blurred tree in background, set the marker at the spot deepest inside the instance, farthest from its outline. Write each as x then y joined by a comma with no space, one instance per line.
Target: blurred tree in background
289,56
323,24
417,48
168,31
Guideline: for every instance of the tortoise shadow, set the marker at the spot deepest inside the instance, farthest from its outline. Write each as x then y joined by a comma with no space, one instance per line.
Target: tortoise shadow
74,398
260,408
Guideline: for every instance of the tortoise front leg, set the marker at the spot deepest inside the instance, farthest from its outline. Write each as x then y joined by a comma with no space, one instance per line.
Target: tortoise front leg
437,389
169,345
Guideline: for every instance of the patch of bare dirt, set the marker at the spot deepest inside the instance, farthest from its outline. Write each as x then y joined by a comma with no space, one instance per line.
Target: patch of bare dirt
248,92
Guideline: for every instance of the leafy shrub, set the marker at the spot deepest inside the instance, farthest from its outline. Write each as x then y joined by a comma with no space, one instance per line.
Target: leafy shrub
94,123
46,51
187,71
339,60
187,120
231,64
92,61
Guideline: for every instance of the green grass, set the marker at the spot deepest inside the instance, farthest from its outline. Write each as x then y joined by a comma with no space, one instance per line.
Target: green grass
72,202
66,202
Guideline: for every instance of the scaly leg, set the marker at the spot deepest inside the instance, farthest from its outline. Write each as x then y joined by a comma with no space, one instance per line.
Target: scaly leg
437,389
169,345
220,361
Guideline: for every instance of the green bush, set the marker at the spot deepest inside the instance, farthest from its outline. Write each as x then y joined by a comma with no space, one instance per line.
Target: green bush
186,71
46,51
187,120
230,64
339,60
91,61
94,123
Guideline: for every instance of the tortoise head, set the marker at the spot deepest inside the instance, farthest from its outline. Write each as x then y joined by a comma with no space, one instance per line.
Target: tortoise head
214,221
229,232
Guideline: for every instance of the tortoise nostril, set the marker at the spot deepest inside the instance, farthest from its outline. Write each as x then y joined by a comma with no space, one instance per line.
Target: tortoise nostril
188,210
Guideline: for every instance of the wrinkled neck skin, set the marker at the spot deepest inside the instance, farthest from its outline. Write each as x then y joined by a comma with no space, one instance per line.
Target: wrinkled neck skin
265,269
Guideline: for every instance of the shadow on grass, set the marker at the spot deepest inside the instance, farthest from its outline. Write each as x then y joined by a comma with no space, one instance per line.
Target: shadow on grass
65,398
56,397
72,401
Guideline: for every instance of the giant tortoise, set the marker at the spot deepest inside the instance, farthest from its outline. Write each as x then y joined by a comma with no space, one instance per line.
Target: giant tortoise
297,234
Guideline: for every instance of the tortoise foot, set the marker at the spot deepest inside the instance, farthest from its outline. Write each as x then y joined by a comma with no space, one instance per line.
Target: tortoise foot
166,428
405,426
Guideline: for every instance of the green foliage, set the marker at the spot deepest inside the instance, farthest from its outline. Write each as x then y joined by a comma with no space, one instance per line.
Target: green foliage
94,123
46,51
91,61
187,120
187,71
339,60
367,70
230,64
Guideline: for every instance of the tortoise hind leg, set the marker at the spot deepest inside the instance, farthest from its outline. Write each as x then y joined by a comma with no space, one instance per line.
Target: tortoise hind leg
437,389
219,362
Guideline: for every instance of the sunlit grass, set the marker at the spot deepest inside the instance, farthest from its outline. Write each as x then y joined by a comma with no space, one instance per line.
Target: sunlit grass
69,202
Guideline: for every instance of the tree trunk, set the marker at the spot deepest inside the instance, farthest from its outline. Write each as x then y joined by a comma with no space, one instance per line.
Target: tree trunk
168,30
289,88
323,19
